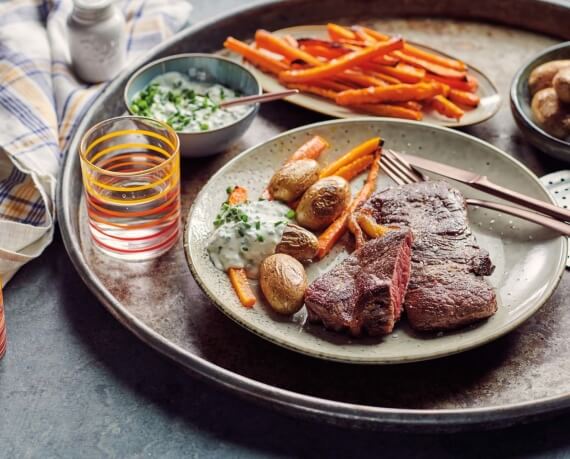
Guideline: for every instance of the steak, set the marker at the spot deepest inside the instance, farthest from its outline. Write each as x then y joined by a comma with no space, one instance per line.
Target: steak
447,289
365,291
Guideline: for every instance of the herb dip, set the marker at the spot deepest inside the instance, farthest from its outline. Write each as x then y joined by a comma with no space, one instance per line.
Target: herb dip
187,105
247,233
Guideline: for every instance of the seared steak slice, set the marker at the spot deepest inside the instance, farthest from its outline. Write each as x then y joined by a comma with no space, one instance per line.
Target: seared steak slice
365,291
446,289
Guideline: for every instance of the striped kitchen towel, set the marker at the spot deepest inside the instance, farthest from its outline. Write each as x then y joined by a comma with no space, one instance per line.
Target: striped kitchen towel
41,102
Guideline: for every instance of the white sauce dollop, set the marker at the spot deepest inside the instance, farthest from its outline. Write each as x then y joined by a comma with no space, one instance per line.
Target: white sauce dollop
187,105
244,244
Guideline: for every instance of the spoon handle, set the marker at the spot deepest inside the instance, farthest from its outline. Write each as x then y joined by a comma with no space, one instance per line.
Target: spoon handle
259,98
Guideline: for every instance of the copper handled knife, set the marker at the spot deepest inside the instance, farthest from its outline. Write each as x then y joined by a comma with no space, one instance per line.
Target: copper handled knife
482,183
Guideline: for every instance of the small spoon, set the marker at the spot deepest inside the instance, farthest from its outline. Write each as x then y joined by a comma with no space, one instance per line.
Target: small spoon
259,98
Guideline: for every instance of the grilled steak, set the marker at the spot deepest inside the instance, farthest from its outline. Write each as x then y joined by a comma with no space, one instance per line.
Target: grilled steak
446,288
365,291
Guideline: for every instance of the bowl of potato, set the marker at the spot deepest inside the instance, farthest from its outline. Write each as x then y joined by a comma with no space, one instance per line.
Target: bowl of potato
540,101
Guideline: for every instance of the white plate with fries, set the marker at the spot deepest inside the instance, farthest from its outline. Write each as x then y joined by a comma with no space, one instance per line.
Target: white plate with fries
487,93
529,259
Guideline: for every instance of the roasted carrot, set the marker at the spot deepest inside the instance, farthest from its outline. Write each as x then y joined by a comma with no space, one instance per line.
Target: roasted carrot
333,84
355,168
431,67
411,104
404,73
336,66
273,43
291,40
395,93
334,232
315,89
237,196
464,98
435,58
364,36
325,52
364,149
310,150
373,33
361,79
255,56
470,85
370,227
446,107
391,111
337,31
374,70
238,276
241,286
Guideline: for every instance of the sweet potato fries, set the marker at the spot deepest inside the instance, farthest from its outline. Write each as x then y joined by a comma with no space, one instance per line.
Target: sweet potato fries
365,70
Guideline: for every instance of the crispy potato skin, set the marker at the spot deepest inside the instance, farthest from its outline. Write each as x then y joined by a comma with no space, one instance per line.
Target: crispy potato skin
299,243
561,84
283,281
293,179
541,77
550,114
323,203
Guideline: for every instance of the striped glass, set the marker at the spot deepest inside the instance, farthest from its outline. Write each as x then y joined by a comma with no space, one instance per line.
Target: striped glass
131,179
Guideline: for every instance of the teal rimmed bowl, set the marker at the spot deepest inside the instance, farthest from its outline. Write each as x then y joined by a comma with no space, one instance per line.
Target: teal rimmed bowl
216,69
520,104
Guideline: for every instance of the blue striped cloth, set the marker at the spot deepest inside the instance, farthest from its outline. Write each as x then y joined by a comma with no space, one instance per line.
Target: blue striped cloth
41,102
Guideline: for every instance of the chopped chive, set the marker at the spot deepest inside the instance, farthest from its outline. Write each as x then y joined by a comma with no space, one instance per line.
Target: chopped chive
260,238
257,224
230,189
241,232
290,214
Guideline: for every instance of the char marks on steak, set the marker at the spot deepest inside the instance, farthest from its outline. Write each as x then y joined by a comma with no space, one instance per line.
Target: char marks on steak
446,288
365,291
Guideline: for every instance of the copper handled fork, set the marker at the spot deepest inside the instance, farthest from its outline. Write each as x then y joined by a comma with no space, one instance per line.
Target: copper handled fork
399,170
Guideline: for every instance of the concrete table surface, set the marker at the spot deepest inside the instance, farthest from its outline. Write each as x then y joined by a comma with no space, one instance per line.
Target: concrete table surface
75,383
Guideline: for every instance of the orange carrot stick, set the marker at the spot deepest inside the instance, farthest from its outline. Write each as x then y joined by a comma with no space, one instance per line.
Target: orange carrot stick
238,277
431,67
395,93
464,98
470,85
345,62
241,286
355,168
435,58
255,56
391,111
446,107
314,89
267,40
334,232
361,79
310,150
364,149
373,33
337,31
404,73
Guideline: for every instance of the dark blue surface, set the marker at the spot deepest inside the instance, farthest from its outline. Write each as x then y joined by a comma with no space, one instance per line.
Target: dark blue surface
75,383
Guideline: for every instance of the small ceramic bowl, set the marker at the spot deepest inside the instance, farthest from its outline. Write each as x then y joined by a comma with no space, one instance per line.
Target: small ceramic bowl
215,69
520,104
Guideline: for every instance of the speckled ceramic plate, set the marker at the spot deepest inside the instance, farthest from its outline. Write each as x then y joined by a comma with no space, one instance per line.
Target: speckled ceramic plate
529,260
490,98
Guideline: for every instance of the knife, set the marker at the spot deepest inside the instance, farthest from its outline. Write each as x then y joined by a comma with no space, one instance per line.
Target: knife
482,183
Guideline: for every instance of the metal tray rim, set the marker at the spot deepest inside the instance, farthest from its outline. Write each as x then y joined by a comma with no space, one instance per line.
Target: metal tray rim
334,412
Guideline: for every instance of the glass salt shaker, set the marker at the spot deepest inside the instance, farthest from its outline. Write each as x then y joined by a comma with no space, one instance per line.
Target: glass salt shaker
97,40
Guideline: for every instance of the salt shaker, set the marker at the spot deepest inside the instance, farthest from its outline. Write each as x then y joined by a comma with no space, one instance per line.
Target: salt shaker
97,39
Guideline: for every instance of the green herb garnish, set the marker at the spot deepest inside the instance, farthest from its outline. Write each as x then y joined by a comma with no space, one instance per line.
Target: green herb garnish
290,214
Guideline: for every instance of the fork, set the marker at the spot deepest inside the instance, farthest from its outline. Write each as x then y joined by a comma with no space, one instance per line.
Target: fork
399,170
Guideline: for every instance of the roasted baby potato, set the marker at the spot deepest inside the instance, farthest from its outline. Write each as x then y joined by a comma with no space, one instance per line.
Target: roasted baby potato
561,84
283,282
299,243
323,203
541,77
293,179
550,114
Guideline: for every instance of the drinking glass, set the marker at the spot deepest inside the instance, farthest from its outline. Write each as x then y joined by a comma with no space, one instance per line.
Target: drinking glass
131,179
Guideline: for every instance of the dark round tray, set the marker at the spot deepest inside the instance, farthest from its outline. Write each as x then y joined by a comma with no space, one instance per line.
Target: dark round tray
522,376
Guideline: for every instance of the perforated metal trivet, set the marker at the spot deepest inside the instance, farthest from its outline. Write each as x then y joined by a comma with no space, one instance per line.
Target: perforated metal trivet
558,183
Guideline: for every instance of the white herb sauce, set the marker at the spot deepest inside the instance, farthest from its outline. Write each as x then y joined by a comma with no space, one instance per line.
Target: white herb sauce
187,105
238,243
